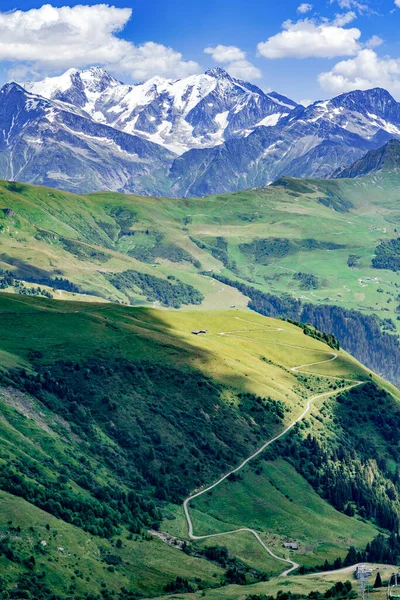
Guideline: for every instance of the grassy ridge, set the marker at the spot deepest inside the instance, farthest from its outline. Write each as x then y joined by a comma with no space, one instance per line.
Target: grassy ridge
267,237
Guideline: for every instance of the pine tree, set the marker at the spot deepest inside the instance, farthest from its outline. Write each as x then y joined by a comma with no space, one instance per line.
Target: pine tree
351,558
378,581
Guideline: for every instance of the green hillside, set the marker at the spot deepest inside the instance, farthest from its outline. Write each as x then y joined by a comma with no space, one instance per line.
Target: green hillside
313,239
113,415
319,243
316,585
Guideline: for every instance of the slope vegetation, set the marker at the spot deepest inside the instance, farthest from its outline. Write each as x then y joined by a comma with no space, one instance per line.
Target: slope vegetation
318,243
112,415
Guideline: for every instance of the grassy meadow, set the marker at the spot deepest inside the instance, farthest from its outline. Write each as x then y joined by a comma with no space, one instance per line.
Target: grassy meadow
316,227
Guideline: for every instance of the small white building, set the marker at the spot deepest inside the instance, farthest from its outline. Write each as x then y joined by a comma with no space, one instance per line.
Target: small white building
291,545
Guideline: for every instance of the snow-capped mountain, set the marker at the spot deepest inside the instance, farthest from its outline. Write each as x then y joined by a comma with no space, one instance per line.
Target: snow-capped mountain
309,142
363,113
87,131
51,143
200,111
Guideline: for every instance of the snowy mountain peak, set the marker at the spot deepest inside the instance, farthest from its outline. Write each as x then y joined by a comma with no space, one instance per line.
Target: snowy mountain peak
11,87
371,114
200,111
14,96
155,82
97,79
74,86
374,99
218,73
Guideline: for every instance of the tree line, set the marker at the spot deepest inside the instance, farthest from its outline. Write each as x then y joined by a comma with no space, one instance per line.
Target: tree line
349,468
169,292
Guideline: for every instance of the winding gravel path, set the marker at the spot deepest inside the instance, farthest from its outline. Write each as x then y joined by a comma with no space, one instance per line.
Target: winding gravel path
333,356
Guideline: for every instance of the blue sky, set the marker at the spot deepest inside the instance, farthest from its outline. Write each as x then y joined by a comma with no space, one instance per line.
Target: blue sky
306,50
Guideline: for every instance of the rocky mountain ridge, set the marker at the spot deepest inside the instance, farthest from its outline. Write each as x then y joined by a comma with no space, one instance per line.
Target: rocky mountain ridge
86,131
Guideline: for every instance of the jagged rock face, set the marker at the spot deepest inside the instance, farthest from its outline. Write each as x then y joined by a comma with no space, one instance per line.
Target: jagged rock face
310,142
209,133
196,112
386,158
44,142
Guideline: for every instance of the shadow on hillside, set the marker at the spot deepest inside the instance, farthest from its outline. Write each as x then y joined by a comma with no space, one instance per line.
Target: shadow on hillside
26,271
126,372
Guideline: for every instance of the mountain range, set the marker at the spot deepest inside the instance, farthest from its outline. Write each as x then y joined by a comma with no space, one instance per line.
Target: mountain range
200,111
211,133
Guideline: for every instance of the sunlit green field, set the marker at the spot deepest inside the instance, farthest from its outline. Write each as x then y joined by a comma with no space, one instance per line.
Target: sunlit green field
296,584
233,350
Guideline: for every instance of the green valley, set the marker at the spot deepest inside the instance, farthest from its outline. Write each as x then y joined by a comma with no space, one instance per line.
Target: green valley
313,239
112,415
320,243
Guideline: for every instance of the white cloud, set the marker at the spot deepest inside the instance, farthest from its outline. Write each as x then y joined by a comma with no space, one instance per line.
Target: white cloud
243,69
237,65
365,71
305,8
50,38
224,54
306,38
155,59
344,18
374,41
348,4
397,3
306,101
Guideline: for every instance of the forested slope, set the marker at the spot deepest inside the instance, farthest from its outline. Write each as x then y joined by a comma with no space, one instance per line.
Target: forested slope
111,416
